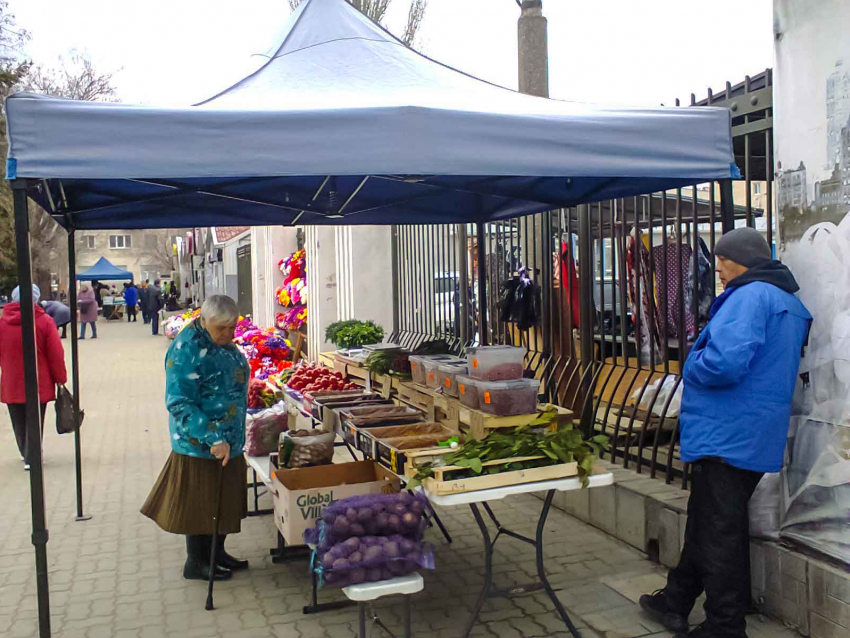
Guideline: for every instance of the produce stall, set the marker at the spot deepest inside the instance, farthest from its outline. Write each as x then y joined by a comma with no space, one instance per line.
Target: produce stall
453,149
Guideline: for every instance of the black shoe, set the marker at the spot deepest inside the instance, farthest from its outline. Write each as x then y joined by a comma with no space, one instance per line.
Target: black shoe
655,604
227,561
193,570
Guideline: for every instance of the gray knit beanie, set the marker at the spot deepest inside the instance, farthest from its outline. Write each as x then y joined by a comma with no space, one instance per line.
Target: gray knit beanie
744,246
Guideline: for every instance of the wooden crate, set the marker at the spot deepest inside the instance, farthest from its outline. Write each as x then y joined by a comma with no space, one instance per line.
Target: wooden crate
442,482
327,359
479,424
415,396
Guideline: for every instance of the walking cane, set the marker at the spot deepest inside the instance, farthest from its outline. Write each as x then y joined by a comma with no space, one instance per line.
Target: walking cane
214,548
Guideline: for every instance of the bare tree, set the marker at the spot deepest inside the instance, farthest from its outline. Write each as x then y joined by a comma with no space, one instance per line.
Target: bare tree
162,254
377,10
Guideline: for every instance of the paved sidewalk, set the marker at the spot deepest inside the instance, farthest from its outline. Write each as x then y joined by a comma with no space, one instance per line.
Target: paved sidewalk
119,576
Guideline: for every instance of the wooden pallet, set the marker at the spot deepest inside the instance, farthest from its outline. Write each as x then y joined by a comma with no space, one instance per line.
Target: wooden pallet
479,424
443,483
416,396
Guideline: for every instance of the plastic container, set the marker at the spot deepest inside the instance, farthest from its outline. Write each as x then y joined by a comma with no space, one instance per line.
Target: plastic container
495,363
467,391
508,398
417,371
432,371
447,374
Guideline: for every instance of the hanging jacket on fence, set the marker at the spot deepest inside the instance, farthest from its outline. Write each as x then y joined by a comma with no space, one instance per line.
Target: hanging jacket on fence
518,301
741,373
570,291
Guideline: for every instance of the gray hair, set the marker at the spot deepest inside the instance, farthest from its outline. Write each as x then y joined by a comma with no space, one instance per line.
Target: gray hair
220,309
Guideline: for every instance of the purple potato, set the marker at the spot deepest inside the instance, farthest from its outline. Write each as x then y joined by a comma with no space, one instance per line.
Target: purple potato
373,575
417,506
391,550
328,561
397,567
328,516
352,544
399,509
330,577
386,574
410,520
356,529
351,515
372,554
404,497
410,565
341,526
406,546
338,551
371,528
382,521
355,558
365,514
341,563
394,523
357,576
377,508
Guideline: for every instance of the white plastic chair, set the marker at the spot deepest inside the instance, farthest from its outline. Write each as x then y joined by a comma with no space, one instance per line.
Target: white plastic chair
368,592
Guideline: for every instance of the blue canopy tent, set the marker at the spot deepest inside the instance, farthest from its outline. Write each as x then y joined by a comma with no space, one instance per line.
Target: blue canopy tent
103,270
341,124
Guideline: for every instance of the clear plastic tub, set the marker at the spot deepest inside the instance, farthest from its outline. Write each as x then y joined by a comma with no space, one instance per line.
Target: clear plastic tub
508,398
417,371
432,373
467,391
495,363
447,376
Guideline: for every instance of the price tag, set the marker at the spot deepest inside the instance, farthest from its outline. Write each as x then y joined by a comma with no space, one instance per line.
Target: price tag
475,363
487,397
461,388
448,382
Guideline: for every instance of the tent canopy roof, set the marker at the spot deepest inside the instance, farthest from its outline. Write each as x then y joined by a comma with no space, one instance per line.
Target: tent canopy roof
344,124
103,270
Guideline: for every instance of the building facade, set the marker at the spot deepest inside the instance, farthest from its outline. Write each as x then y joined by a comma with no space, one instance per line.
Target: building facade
148,254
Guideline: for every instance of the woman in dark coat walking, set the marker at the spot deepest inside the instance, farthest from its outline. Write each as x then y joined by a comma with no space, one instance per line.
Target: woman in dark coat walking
206,393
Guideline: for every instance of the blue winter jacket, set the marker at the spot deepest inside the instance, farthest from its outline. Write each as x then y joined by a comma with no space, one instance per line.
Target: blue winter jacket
206,393
131,296
740,376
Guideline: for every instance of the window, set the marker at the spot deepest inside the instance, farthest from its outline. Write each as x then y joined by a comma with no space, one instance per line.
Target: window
120,241
757,187
88,242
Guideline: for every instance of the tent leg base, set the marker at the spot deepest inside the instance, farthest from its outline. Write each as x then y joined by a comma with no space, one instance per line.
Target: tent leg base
80,519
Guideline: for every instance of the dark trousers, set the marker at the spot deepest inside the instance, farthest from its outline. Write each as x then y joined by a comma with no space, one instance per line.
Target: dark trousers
93,325
18,415
131,312
64,328
716,556
155,323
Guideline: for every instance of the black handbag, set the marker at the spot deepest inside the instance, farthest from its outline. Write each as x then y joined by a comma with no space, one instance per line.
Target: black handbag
66,420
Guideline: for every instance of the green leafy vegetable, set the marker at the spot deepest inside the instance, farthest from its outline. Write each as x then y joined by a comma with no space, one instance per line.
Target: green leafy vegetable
353,333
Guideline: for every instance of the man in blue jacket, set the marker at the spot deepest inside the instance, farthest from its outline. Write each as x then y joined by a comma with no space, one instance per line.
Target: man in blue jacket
131,300
738,382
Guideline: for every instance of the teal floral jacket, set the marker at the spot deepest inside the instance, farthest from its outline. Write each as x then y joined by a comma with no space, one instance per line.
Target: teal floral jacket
206,393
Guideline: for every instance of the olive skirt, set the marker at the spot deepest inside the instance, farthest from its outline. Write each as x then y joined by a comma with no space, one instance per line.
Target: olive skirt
183,499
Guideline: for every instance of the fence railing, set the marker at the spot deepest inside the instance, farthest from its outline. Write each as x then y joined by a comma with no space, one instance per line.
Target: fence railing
625,287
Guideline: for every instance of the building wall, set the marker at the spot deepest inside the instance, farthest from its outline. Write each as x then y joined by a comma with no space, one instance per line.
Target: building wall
149,255
270,245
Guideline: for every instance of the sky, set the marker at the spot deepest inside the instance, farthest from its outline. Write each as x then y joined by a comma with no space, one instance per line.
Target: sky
626,52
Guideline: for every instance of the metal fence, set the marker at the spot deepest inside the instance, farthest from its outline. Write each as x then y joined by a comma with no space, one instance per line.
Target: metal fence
624,289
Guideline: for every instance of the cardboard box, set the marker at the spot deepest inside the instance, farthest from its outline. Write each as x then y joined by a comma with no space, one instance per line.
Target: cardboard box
300,495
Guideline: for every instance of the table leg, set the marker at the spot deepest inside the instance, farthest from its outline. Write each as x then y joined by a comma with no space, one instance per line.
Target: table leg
432,515
408,630
541,569
488,570
362,622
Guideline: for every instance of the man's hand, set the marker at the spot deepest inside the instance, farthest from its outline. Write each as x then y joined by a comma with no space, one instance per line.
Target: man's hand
221,451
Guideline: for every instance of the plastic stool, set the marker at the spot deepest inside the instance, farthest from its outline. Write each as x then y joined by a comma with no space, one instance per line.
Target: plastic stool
367,592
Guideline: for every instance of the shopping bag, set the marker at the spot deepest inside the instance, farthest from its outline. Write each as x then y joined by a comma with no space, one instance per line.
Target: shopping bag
66,420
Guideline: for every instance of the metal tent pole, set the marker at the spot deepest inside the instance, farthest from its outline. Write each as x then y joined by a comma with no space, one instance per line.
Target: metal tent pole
727,205
586,308
75,368
482,285
39,527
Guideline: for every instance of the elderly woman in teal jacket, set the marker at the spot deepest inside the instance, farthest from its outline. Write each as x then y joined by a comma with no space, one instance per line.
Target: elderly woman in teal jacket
206,394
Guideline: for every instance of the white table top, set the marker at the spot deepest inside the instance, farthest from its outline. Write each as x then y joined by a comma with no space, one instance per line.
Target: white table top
263,466
498,493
